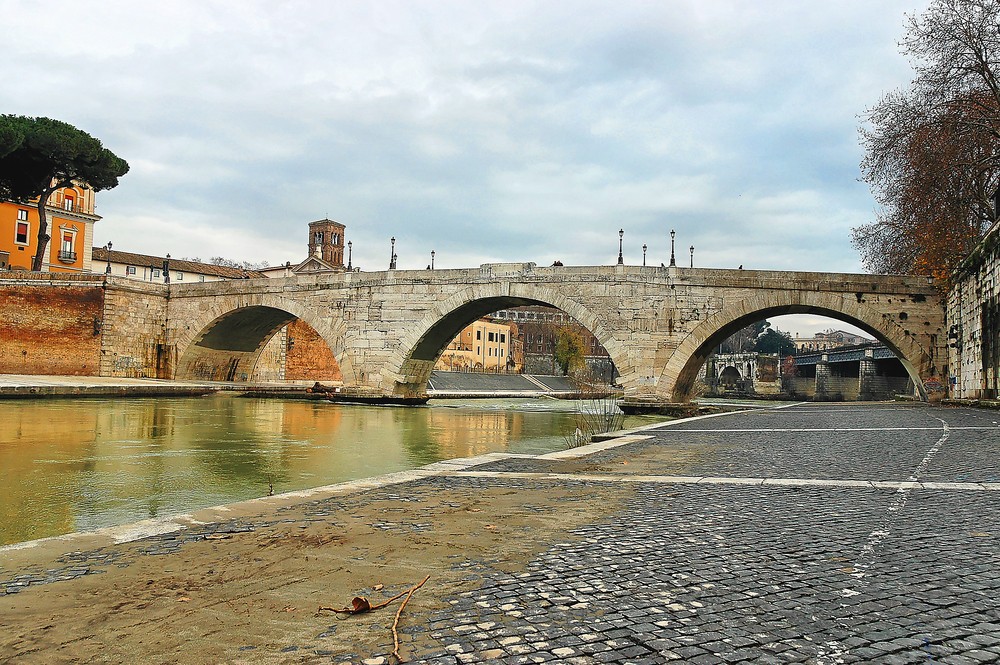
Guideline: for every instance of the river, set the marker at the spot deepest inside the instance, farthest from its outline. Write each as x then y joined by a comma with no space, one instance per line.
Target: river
75,465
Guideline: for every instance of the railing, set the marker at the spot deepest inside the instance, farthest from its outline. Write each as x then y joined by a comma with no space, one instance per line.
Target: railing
69,257
70,205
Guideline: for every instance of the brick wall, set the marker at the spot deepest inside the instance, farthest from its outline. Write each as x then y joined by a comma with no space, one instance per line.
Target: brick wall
47,326
308,357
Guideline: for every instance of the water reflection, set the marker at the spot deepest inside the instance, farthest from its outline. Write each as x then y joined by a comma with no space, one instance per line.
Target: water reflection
74,465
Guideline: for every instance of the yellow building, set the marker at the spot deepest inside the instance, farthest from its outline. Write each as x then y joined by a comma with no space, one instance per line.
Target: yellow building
482,346
70,216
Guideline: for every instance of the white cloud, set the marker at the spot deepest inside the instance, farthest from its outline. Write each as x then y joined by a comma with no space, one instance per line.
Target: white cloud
509,131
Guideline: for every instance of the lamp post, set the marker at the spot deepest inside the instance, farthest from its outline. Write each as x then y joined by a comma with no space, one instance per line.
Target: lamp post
107,271
392,253
432,259
643,255
692,256
349,247
621,259
673,261
166,270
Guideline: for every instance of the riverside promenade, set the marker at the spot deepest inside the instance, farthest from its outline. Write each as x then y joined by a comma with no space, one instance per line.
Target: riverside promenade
814,533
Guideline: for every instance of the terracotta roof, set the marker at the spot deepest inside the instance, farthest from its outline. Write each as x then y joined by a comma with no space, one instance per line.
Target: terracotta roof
128,258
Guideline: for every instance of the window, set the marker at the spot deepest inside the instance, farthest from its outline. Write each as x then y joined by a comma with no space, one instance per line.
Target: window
21,234
503,337
22,215
129,270
479,335
490,337
478,351
156,272
201,278
67,240
180,277
68,203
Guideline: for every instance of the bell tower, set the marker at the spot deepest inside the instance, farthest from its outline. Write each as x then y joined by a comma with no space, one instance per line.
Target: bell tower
326,241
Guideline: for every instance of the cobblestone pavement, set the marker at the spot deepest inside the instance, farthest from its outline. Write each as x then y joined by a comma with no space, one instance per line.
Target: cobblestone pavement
810,534
730,572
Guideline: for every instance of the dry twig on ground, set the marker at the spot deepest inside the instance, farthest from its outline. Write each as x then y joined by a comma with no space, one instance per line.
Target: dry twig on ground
361,605
395,622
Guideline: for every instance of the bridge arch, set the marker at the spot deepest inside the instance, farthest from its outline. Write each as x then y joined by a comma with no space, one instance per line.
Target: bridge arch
409,367
676,381
228,337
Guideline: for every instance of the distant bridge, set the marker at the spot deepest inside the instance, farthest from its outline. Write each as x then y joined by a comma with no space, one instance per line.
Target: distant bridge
387,329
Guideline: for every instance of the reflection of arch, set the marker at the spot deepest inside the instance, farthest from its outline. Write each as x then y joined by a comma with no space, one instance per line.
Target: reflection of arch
410,365
226,341
679,373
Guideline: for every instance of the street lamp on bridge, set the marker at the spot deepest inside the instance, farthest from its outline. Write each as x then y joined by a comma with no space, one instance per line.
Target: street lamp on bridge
692,256
107,271
621,259
643,255
349,256
392,253
673,261
432,259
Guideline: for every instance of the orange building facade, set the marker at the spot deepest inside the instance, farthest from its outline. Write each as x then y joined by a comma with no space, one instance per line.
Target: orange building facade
71,218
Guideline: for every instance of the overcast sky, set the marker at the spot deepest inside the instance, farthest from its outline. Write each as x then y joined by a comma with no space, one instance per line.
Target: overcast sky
486,131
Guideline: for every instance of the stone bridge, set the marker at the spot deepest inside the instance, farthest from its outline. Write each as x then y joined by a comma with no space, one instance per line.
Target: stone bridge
386,329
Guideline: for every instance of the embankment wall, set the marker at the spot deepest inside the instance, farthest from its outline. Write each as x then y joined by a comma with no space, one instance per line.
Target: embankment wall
51,326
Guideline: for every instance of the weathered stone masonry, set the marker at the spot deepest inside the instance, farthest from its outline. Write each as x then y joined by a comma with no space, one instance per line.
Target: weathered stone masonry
974,322
385,330
658,324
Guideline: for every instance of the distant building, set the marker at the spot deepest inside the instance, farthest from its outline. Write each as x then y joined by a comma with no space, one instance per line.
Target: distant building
148,268
745,373
485,346
828,339
537,328
70,216
326,252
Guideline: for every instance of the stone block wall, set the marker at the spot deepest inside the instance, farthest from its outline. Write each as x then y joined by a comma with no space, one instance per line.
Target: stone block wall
271,362
974,322
51,325
134,344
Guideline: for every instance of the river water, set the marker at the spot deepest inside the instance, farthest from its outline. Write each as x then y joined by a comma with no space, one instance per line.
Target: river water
75,465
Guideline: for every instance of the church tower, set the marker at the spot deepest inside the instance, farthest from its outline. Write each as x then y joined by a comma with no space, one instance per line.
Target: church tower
326,241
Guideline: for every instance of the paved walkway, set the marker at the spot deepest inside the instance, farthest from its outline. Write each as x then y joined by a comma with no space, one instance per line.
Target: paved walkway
835,533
